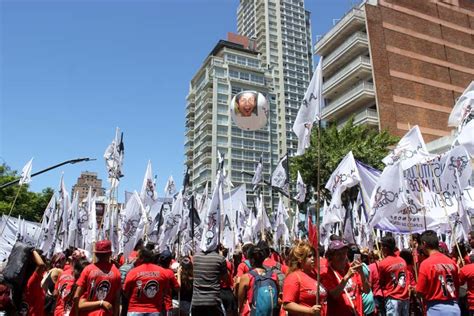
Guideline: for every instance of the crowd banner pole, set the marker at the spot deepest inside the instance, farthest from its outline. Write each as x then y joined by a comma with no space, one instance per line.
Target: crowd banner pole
318,205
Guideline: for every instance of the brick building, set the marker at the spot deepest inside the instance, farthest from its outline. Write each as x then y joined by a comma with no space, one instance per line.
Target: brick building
397,63
88,179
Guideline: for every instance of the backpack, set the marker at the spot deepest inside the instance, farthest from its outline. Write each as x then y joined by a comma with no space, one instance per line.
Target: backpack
247,263
277,270
264,295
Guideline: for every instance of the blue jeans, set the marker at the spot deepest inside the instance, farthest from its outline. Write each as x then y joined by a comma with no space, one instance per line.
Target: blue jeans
443,308
143,314
395,307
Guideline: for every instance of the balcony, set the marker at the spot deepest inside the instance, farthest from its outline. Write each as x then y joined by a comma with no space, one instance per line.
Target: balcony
354,46
357,70
352,22
349,102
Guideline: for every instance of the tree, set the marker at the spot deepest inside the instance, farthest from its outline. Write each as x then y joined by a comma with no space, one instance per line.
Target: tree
367,144
29,205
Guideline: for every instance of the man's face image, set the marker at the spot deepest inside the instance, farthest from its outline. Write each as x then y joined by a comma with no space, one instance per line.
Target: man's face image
246,104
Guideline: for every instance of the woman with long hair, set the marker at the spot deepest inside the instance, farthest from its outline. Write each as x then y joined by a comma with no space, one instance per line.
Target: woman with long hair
300,287
185,278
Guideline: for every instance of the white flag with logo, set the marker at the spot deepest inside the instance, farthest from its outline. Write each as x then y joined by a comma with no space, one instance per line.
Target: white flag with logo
309,110
280,176
281,229
463,110
26,172
134,223
210,234
301,189
171,223
48,225
113,156
345,176
170,187
410,150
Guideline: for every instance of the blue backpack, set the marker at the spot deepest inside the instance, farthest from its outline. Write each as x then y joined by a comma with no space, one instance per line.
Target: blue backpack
265,294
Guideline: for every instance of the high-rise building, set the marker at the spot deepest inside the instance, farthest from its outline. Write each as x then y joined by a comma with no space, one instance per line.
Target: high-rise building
231,67
282,33
393,64
88,179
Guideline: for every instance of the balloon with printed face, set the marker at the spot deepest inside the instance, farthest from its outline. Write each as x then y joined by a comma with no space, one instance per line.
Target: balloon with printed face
249,110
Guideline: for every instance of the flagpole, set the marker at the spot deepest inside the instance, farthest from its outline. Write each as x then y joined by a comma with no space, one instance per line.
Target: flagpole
11,209
318,205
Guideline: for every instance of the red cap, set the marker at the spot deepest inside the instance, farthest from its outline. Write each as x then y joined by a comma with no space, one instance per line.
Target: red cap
103,246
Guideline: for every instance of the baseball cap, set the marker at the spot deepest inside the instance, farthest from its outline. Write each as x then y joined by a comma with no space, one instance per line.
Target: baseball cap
103,246
337,245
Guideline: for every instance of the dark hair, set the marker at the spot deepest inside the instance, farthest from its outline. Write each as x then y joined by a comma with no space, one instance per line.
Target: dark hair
256,256
150,246
321,250
139,245
246,248
388,242
187,273
263,245
146,255
335,237
416,237
430,238
80,264
406,255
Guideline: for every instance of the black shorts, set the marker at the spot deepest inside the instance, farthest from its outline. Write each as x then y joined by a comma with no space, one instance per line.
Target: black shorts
228,300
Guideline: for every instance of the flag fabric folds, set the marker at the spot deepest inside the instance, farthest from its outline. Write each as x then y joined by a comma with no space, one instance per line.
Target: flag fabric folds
26,172
280,178
309,110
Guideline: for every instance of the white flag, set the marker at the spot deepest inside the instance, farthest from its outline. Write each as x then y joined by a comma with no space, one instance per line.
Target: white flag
280,176
295,224
26,172
345,176
257,177
64,208
410,150
262,222
114,155
148,191
309,110
73,235
210,235
281,229
48,227
172,220
134,224
463,110
466,137
89,230
170,187
301,189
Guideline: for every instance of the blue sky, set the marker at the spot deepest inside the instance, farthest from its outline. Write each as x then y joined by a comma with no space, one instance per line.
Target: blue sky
72,71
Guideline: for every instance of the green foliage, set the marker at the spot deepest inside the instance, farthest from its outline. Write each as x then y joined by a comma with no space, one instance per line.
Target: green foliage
29,205
367,144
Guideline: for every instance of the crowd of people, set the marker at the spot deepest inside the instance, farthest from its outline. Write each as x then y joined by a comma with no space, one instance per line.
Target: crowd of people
426,279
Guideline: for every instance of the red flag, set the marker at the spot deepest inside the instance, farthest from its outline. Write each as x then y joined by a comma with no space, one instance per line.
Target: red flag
312,233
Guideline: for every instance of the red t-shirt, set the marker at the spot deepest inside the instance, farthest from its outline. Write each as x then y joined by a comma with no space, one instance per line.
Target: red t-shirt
466,275
172,284
301,288
394,278
438,278
270,263
353,292
63,287
243,268
374,279
145,286
100,281
228,281
323,266
33,297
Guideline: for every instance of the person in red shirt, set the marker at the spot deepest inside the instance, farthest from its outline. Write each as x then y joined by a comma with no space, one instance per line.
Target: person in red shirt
438,281
98,287
65,287
394,279
344,282
164,261
145,285
227,284
466,275
245,295
269,262
301,286
33,295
